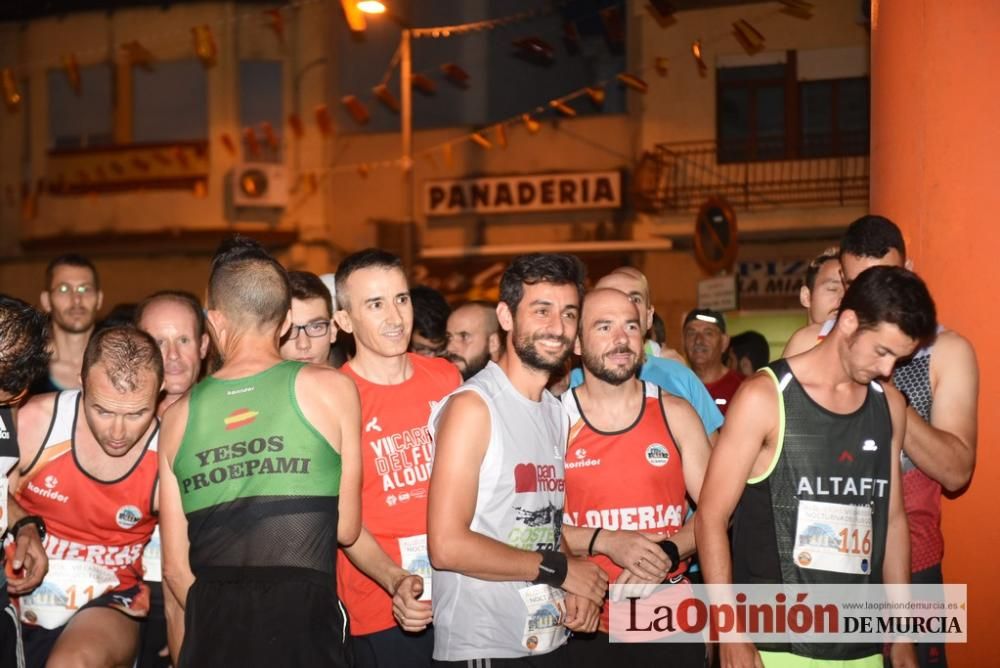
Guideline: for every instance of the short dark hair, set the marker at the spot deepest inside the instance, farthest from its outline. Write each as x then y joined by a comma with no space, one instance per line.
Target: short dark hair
555,268
812,271
246,281
363,259
307,285
430,312
872,236
753,345
70,260
24,335
124,351
178,296
892,295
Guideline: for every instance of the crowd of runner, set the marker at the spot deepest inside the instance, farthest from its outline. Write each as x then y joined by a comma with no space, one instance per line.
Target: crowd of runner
347,471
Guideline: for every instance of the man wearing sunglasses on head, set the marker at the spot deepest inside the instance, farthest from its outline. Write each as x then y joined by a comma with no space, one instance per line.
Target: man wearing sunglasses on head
313,330
72,298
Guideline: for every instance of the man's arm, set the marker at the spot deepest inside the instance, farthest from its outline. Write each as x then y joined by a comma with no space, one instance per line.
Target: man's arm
896,563
945,449
29,553
804,338
177,575
330,403
460,443
745,448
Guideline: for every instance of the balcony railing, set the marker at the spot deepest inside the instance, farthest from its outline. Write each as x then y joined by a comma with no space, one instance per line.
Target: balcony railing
678,177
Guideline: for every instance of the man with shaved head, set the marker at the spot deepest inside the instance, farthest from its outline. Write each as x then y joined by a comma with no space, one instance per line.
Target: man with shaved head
627,429
473,334
260,472
665,373
91,485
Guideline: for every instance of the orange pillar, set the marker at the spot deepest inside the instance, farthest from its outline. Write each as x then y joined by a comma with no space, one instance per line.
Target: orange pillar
935,171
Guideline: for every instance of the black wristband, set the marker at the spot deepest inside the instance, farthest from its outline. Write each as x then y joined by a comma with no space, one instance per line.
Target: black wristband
552,571
593,539
670,549
37,521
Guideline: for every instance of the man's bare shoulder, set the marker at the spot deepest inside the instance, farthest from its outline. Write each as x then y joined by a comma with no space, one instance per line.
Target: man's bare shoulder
466,405
314,376
953,348
36,411
804,338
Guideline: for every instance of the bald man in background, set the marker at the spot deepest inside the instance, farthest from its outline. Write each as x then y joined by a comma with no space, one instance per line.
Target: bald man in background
473,336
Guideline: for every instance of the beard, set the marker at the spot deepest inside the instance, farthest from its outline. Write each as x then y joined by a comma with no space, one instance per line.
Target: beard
472,366
524,346
614,376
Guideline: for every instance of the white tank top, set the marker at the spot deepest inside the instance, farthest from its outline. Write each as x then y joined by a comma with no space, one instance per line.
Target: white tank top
520,503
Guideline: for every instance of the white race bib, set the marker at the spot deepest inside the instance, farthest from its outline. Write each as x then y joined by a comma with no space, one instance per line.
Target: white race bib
68,586
152,570
834,537
413,558
543,627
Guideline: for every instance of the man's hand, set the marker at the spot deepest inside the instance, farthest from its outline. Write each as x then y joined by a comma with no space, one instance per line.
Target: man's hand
903,655
586,580
581,614
635,552
411,614
633,586
30,559
739,655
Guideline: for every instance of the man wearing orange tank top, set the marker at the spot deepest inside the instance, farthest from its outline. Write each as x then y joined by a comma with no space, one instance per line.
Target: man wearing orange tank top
93,481
625,429
384,577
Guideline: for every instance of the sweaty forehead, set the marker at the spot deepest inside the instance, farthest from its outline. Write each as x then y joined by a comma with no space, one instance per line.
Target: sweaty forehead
608,303
625,283
168,313
372,282
853,265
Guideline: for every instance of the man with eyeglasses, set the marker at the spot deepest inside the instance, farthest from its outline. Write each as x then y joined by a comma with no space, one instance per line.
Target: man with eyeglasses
72,298
22,358
312,331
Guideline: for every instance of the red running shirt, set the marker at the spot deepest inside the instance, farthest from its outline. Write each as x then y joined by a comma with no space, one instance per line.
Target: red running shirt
631,479
396,452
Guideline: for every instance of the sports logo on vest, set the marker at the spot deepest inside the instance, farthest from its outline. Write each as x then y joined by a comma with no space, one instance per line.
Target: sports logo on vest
530,477
657,454
128,516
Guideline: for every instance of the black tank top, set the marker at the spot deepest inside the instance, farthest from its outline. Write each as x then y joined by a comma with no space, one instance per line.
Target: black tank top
820,514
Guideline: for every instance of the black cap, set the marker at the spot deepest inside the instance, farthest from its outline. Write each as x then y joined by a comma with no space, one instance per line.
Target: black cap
707,315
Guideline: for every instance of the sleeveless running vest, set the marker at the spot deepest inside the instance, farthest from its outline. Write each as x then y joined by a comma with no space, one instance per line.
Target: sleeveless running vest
520,503
819,515
645,455
8,460
921,494
103,524
259,484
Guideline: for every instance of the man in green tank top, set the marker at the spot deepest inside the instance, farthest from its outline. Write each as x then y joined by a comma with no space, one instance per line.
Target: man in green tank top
260,479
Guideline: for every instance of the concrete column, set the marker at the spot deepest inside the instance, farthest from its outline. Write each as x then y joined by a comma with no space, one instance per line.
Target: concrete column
935,171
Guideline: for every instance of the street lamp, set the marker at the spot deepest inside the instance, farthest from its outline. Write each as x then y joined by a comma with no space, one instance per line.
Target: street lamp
406,120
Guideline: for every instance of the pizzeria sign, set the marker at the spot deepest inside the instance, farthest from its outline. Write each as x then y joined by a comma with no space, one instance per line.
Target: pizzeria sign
529,192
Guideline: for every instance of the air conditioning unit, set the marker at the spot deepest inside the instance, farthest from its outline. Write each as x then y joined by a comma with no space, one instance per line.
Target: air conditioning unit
260,185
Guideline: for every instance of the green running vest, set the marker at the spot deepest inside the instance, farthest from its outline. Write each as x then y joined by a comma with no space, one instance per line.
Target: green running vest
254,472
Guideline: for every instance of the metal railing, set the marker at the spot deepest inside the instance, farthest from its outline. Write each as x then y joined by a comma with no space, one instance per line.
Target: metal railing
683,174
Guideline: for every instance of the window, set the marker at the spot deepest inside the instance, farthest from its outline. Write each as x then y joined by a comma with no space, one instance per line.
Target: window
83,120
169,102
764,113
261,101
751,115
834,117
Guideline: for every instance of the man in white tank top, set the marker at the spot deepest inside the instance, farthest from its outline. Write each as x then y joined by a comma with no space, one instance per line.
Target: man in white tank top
505,591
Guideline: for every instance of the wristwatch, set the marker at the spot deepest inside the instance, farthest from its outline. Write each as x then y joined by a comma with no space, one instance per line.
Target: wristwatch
25,521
